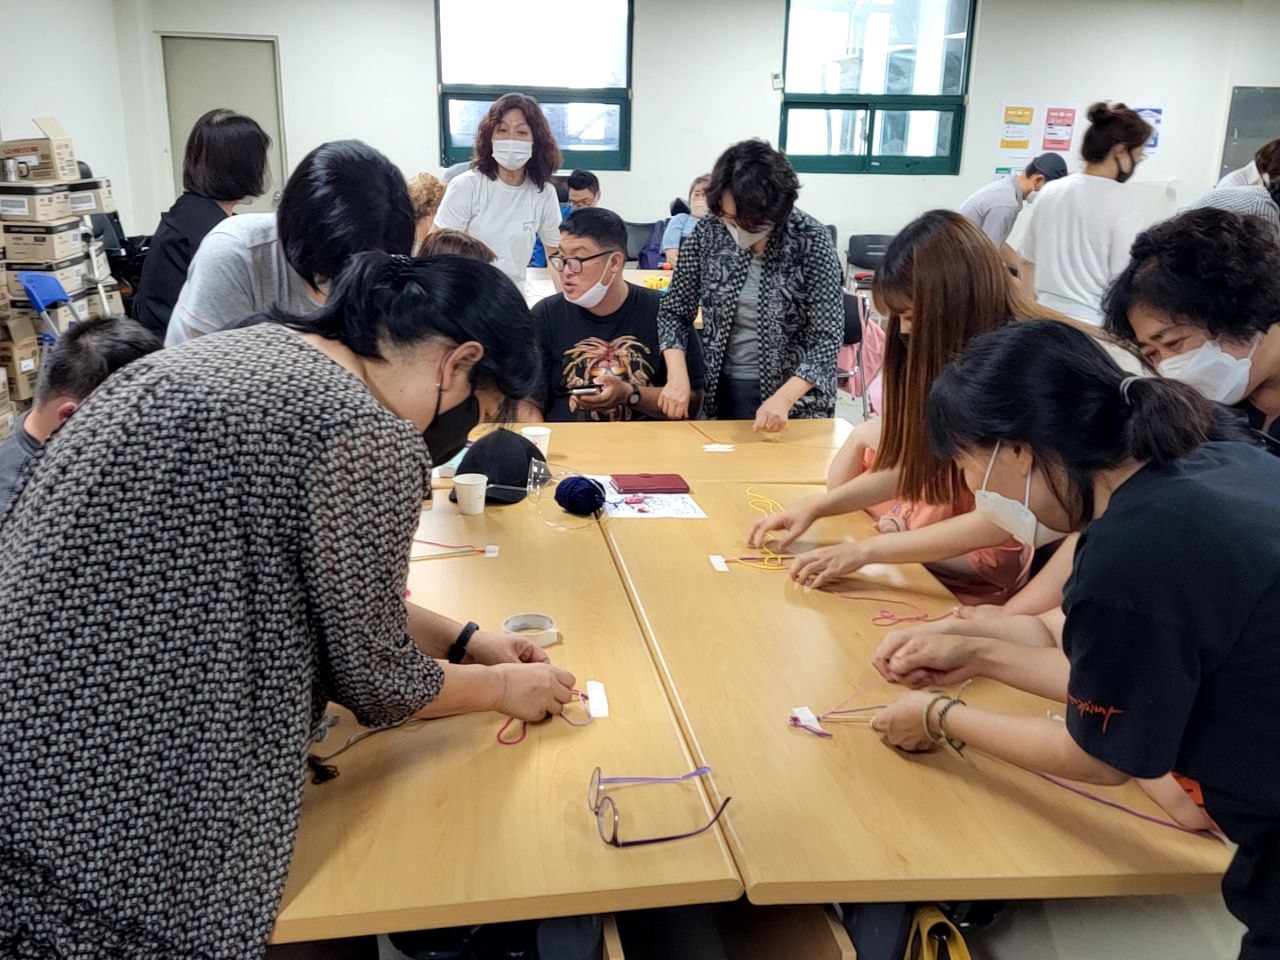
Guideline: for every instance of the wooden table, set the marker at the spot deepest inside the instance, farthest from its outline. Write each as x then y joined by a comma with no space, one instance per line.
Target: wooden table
438,825
799,454
816,820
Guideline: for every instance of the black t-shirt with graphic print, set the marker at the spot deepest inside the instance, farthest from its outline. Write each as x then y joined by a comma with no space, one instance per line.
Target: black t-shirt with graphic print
1173,633
578,346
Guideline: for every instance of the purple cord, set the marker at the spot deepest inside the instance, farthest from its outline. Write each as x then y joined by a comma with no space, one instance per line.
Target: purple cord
688,776
1120,806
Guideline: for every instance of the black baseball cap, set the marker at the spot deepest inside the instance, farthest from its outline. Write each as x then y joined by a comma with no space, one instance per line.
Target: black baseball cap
1051,166
504,458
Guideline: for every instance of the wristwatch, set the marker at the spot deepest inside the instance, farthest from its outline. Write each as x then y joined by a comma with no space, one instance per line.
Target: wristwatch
635,396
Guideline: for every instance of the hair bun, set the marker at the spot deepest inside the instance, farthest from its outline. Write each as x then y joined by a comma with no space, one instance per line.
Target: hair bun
1099,112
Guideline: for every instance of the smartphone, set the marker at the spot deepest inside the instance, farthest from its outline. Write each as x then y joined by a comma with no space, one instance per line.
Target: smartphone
586,391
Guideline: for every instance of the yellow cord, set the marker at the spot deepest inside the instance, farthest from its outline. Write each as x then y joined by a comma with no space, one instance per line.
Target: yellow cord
765,506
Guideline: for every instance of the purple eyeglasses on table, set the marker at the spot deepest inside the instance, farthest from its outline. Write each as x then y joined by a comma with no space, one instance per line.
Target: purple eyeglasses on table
606,810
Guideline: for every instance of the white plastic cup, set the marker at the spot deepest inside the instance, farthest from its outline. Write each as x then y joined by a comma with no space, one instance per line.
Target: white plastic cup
471,489
540,437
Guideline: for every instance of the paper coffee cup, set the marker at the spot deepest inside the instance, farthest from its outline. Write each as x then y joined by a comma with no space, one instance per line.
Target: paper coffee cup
471,488
540,437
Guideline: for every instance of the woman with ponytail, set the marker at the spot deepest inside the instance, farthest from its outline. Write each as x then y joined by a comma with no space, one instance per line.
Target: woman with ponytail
1172,611
1083,225
213,548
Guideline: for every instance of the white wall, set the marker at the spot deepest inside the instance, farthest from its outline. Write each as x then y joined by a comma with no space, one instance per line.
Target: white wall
79,85
701,81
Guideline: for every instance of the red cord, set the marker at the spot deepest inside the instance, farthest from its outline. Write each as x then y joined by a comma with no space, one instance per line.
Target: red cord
447,546
706,436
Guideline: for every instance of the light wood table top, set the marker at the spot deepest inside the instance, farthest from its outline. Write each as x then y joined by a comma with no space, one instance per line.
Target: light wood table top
799,454
816,820
438,825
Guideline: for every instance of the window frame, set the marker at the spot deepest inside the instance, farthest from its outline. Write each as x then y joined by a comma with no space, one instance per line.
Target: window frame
620,159
876,104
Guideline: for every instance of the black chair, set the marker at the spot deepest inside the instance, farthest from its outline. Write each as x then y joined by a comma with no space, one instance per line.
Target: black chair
678,205
638,235
865,254
853,338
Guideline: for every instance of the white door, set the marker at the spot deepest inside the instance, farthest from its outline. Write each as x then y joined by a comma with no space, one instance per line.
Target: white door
203,73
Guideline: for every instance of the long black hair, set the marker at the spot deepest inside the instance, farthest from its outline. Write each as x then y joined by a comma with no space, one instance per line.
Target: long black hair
383,301
1052,388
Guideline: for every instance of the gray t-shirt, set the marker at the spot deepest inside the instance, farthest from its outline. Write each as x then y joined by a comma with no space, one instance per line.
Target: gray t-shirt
15,450
995,207
239,270
742,356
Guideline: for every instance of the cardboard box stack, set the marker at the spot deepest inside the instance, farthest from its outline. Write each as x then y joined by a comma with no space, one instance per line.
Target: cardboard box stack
43,230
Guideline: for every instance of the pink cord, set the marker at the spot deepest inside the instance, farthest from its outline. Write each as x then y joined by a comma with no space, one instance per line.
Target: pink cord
705,435
1079,791
447,546
524,725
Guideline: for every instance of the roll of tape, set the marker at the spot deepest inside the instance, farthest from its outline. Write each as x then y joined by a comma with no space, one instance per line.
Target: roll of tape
538,627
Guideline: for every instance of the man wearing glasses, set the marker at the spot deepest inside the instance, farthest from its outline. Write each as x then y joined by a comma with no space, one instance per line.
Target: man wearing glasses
599,338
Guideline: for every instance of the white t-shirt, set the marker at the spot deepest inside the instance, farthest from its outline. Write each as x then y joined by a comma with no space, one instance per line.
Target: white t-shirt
1246,176
503,217
1081,230
238,270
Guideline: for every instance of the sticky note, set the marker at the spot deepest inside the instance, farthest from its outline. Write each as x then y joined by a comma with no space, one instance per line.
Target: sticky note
491,550
806,716
718,448
717,561
597,702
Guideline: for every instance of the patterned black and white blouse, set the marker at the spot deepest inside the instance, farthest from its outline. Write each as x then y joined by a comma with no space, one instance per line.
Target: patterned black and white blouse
214,546
801,321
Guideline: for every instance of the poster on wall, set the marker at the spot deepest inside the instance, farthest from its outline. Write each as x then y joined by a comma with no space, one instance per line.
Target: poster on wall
1059,129
1153,116
1015,135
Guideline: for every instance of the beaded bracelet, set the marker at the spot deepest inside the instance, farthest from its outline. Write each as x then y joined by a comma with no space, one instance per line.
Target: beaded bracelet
924,719
956,745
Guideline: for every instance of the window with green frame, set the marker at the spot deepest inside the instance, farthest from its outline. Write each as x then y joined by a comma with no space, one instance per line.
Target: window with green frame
876,86
583,82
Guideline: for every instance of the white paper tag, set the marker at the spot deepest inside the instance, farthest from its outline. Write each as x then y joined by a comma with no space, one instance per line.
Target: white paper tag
718,448
597,702
491,551
717,561
807,717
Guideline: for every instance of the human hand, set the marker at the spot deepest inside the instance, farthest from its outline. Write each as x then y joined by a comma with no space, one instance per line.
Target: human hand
530,691
772,415
792,523
916,658
983,611
614,393
899,723
673,401
818,567
491,649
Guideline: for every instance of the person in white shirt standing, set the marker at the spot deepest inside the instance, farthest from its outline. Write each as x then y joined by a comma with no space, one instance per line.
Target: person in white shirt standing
995,206
1250,175
507,198
1082,228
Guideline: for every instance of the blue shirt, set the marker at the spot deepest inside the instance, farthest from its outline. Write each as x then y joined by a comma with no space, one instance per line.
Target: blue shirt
539,257
678,227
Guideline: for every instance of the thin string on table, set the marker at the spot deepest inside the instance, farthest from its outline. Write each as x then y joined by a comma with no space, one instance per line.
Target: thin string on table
840,712
771,560
524,724
322,771
706,436
450,550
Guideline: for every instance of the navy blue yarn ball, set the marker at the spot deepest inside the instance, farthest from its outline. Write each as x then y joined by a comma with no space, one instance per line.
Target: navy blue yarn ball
581,496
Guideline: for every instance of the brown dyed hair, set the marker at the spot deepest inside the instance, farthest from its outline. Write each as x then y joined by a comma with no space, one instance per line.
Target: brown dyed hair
425,193
1109,125
455,243
949,273
546,157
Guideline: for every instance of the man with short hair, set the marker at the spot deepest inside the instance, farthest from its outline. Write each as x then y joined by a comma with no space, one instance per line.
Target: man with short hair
1250,175
584,190
344,198
599,338
77,364
995,207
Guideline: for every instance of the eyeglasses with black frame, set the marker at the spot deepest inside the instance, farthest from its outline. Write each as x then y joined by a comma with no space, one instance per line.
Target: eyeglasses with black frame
606,811
574,264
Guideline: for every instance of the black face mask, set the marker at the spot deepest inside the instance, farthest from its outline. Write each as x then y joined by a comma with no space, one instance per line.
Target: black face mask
1121,175
447,433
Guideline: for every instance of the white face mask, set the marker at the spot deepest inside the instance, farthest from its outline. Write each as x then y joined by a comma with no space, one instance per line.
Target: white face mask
512,154
1010,515
745,238
593,296
698,209
1211,370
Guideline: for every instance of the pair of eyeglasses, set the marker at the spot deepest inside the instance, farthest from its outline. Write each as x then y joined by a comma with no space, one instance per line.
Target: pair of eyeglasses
576,713
606,811
574,264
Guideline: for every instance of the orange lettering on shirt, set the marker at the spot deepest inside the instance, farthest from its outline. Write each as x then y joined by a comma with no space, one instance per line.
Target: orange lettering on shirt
1089,708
